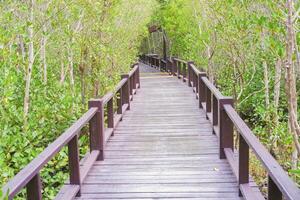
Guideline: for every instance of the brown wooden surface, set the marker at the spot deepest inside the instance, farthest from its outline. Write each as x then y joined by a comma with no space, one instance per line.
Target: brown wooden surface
163,148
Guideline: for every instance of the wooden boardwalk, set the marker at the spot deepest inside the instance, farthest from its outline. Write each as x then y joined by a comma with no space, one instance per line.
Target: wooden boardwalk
156,143
162,149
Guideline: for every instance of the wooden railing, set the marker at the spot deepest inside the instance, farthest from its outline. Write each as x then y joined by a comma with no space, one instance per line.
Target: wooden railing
220,111
29,177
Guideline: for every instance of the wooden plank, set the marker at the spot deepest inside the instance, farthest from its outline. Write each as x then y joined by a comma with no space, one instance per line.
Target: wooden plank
88,163
163,148
108,133
166,195
67,192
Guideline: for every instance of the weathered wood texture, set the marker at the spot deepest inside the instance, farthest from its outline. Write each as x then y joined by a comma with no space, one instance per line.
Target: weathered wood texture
163,148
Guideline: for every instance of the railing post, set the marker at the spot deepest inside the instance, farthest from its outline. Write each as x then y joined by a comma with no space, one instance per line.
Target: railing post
153,61
74,167
120,102
96,125
194,78
196,85
189,63
178,65
215,111
34,188
131,79
138,76
208,101
174,68
126,91
243,162
135,80
225,127
110,114
170,66
201,86
184,71
273,191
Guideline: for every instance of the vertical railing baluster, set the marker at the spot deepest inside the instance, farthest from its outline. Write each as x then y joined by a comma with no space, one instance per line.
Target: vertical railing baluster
119,101
134,81
174,67
273,191
34,188
96,126
190,71
208,100
183,72
215,111
110,114
168,66
74,167
197,85
194,82
178,69
243,162
131,87
152,62
201,86
225,127
126,91
138,76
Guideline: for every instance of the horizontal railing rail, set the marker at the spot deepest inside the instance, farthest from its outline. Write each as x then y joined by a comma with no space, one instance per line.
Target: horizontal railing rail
29,176
221,113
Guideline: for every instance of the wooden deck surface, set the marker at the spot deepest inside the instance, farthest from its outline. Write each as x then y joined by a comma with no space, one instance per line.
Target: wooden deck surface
163,149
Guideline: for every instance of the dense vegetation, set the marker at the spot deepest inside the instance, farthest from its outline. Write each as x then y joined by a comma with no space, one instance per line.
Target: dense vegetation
250,51
54,56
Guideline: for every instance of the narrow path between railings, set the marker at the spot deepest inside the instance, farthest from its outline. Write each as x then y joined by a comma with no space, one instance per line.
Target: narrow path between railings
164,148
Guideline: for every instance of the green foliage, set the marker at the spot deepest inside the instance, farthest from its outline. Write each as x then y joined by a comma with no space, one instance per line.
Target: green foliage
88,45
234,40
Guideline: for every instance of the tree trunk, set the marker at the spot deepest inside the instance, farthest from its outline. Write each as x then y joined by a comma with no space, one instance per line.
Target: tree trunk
277,88
290,85
210,64
71,67
43,56
22,47
266,72
30,63
62,72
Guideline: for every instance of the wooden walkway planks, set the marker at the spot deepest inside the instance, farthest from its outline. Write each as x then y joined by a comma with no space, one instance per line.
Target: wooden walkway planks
163,149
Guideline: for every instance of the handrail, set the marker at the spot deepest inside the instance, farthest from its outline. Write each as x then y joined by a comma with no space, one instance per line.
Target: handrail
132,71
120,84
106,98
212,88
29,176
180,60
278,175
164,61
219,110
193,67
25,175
